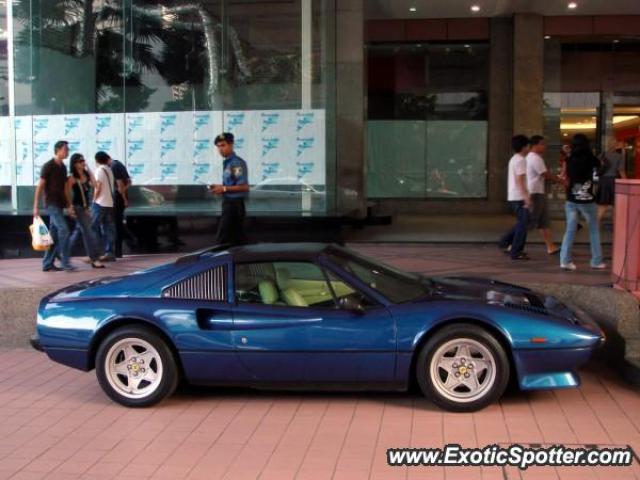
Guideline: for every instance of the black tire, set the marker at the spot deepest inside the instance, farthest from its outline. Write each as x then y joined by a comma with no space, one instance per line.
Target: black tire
165,362
491,392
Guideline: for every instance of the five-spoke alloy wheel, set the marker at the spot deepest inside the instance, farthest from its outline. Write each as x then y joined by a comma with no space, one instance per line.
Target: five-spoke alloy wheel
462,368
135,367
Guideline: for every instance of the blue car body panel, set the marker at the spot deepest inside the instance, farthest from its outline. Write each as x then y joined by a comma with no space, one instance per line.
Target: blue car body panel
222,342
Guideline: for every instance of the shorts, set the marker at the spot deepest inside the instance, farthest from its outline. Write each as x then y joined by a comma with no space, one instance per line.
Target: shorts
539,217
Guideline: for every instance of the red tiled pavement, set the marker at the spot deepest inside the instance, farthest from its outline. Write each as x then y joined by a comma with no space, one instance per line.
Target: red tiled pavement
56,423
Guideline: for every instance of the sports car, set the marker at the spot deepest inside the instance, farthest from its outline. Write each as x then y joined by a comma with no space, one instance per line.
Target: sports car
312,316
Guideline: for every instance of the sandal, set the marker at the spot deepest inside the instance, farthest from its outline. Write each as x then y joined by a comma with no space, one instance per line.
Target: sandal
97,264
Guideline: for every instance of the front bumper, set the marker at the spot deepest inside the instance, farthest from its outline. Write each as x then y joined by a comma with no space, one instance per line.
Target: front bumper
35,343
540,369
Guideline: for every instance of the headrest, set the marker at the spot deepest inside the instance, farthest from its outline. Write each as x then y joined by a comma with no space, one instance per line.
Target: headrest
268,292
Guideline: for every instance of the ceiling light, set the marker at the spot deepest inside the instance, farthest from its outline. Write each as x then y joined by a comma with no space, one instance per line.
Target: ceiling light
616,41
413,9
572,5
467,45
547,37
475,8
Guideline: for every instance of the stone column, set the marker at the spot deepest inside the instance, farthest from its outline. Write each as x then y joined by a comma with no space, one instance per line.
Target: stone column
500,110
350,108
528,73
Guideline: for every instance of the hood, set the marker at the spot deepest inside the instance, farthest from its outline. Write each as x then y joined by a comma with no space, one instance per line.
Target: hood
489,291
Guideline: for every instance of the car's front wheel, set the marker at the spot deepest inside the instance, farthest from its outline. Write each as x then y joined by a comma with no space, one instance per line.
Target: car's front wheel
462,368
135,367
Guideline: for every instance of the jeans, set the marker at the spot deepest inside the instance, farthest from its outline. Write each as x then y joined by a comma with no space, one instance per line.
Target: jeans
83,229
103,227
590,212
517,236
60,233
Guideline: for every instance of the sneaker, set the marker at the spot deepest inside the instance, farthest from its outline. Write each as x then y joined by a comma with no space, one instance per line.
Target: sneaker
600,266
521,256
70,268
569,266
52,268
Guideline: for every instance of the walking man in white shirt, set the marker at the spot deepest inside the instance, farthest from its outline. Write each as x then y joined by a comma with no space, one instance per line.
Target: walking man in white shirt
537,176
102,220
518,196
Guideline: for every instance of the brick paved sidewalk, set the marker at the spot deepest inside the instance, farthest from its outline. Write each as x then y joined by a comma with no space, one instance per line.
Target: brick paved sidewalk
56,423
432,259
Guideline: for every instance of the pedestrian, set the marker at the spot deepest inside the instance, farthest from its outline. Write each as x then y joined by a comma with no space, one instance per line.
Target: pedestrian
53,181
79,183
611,167
102,221
518,196
234,190
121,202
76,234
581,167
537,176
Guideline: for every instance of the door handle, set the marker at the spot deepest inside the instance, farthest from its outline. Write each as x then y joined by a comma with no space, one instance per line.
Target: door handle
209,319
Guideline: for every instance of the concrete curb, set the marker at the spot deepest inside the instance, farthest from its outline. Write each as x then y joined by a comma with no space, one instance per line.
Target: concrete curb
18,309
618,314
616,311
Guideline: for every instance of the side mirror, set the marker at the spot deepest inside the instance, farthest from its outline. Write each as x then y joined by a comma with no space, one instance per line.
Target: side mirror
352,305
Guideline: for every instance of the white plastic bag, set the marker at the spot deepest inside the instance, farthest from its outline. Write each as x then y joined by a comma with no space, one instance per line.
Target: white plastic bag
40,237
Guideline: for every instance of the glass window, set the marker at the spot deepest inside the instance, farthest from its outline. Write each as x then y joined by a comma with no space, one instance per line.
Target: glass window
4,67
152,83
294,284
393,284
6,157
342,290
428,101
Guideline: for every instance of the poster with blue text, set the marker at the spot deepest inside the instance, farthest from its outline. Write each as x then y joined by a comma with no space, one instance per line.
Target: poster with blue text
109,135
5,152
205,164
24,151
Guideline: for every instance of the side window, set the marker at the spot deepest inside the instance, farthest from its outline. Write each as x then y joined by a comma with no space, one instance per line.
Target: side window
209,285
342,289
294,284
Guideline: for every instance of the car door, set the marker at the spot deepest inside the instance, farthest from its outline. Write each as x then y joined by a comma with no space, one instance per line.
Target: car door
198,312
290,328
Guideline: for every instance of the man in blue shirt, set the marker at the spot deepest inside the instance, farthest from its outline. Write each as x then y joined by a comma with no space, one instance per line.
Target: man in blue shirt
234,189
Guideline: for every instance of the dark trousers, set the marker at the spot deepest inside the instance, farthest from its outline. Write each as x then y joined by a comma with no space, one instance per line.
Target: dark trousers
517,236
122,232
231,224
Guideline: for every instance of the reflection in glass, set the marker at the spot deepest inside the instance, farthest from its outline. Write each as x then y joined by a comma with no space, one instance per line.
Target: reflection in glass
427,129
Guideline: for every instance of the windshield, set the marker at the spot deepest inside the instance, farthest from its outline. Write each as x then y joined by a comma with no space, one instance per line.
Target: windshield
395,285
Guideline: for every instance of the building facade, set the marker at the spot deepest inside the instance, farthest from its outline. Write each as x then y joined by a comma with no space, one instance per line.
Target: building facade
341,108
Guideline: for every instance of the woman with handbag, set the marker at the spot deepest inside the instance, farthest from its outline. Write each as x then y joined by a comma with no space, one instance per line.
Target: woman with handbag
79,183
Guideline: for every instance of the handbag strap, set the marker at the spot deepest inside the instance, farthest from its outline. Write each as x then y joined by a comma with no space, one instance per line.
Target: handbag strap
84,199
111,185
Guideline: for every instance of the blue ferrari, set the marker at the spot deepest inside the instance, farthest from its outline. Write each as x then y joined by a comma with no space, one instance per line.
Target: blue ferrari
312,316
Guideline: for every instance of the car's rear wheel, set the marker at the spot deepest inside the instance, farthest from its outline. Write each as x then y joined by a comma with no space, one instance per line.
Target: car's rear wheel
462,368
135,367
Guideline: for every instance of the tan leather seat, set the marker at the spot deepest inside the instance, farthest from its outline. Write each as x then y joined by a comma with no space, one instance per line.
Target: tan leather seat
293,298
